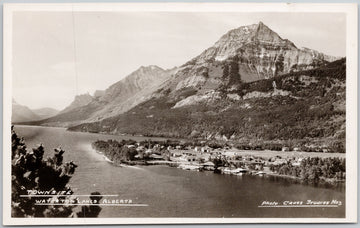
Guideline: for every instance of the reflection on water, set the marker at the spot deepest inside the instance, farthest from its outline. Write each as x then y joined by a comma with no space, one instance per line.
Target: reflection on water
172,192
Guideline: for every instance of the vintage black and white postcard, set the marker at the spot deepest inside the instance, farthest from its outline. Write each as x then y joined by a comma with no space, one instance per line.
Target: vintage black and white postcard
150,113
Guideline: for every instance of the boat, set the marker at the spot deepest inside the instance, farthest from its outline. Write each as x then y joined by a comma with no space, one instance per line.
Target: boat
261,173
234,171
189,167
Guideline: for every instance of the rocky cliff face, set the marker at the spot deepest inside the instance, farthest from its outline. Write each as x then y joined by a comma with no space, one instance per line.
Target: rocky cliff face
79,101
251,53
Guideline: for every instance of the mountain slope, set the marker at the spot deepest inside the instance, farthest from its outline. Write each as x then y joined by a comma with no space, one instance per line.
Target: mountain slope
45,112
303,107
21,113
79,101
118,98
132,90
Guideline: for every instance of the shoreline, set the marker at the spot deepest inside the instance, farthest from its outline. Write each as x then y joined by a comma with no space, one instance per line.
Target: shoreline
245,152
186,166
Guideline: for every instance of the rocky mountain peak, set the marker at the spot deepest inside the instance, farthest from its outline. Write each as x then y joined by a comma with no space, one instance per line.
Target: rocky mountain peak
140,77
134,82
264,34
252,52
146,69
80,100
254,35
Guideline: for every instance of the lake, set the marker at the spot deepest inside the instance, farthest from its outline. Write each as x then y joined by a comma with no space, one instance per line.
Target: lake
172,192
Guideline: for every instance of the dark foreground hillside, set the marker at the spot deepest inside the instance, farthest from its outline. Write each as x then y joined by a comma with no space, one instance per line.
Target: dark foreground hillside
300,109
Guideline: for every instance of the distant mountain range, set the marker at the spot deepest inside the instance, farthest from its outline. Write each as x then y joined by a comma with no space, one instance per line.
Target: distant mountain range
117,99
250,85
21,113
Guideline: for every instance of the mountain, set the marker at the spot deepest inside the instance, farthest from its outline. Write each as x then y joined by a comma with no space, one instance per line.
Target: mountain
246,54
79,101
99,93
118,98
44,113
132,90
21,113
304,108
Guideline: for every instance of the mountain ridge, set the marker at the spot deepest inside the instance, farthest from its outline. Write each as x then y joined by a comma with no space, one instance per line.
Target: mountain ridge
117,98
22,113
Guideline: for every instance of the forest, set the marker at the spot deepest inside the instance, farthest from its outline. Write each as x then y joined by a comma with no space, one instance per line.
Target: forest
314,169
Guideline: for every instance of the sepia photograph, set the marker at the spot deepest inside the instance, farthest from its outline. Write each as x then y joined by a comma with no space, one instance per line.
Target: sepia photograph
149,113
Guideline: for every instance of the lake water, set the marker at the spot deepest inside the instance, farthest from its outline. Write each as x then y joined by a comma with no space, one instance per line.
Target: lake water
172,192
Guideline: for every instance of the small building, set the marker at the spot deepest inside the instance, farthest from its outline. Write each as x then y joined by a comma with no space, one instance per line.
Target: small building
176,155
156,157
140,148
279,162
296,163
190,158
139,156
157,146
205,149
209,166
229,154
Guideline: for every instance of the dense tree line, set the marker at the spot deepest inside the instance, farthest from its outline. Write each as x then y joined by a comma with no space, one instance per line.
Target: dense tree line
117,152
314,169
125,151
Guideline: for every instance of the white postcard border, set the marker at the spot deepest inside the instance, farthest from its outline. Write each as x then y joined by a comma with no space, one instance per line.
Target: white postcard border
351,102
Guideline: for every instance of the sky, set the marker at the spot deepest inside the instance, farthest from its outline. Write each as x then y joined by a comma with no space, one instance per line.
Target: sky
57,55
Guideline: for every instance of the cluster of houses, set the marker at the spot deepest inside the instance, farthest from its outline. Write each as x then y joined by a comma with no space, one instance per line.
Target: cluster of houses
237,163
201,158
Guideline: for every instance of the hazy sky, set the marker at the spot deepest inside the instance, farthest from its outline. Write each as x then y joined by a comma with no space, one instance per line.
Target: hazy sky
111,45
